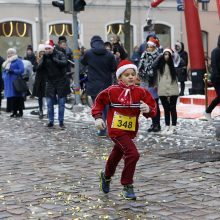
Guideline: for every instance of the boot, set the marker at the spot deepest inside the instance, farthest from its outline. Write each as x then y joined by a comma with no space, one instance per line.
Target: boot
41,114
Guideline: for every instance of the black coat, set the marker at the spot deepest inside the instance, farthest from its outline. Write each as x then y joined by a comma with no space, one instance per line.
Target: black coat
101,65
182,69
215,64
54,67
39,83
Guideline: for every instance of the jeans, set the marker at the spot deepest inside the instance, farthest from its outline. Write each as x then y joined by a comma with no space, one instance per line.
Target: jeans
61,108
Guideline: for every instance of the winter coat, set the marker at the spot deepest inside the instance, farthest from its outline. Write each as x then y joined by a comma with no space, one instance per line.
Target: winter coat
117,47
54,67
215,64
101,65
31,57
182,67
111,96
13,67
165,85
39,83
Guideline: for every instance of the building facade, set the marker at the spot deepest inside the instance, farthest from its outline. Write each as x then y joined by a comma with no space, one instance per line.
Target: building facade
24,22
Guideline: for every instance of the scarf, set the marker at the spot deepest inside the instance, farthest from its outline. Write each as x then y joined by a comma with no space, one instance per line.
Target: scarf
125,96
7,64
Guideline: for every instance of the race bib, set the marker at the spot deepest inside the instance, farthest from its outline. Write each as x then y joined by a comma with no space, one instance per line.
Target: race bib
124,122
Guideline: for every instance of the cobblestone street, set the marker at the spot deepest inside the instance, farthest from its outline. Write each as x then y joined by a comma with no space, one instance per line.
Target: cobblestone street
53,174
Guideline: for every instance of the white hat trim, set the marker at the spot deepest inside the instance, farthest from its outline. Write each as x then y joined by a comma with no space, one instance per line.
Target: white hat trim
125,67
48,46
151,43
168,50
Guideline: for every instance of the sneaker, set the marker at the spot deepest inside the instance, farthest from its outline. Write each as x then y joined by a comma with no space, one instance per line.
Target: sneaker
104,183
207,116
50,125
102,133
166,130
41,115
156,128
172,130
151,128
128,192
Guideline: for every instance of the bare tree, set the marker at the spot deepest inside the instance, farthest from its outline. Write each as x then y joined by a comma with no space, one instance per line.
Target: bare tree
127,19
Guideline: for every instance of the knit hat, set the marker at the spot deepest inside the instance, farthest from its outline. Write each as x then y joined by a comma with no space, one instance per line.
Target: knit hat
29,47
41,47
168,50
124,65
49,44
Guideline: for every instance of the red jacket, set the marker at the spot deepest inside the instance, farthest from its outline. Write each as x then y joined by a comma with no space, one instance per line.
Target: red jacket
125,103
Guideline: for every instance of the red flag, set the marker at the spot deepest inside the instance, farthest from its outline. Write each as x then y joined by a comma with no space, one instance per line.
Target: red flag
218,6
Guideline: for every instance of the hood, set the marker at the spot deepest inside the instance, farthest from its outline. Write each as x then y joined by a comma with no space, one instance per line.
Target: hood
97,45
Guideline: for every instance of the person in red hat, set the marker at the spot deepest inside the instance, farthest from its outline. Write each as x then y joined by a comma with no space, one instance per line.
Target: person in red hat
126,101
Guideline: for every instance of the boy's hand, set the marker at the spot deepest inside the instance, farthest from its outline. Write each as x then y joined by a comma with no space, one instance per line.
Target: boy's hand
100,124
144,107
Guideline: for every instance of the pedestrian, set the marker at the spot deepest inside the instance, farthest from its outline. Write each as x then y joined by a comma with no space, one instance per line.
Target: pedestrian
126,102
135,57
182,67
1,81
53,64
215,79
30,54
40,80
168,91
13,68
147,77
118,48
101,65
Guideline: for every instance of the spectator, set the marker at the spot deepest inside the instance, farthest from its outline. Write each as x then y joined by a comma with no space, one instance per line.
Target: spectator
101,65
182,67
215,78
30,55
167,88
40,80
147,78
53,64
13,68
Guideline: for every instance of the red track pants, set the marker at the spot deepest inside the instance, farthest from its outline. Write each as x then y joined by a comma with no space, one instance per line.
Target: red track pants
124,147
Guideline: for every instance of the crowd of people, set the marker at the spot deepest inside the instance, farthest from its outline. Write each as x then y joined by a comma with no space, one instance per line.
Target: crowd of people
121,88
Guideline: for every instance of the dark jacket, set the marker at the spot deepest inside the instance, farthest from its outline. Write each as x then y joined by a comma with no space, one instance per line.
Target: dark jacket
54,66
215,64
117,47
31,57
182,68
39,83
101,64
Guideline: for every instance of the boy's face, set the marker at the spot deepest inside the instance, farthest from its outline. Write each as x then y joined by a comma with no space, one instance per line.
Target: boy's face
129,77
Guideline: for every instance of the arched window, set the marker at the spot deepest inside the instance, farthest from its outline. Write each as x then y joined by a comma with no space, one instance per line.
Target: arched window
61,29
15,34
162,31
118,29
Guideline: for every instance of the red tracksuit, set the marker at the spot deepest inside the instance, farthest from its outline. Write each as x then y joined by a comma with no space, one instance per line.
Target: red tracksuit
124,101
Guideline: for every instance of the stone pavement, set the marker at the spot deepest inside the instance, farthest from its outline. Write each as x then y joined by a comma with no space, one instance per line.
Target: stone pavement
52,173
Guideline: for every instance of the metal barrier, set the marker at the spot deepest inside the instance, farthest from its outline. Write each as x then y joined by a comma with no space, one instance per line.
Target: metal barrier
206,89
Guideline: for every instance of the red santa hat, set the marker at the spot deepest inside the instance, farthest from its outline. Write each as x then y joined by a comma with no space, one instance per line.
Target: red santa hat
49,44
124,65
153,42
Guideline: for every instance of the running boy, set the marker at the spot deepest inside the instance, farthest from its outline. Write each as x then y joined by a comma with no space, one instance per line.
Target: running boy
126,101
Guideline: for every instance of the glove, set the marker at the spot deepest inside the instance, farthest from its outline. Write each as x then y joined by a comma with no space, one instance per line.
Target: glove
144,107
100,124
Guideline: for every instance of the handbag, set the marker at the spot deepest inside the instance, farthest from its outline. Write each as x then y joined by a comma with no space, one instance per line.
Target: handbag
20,85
